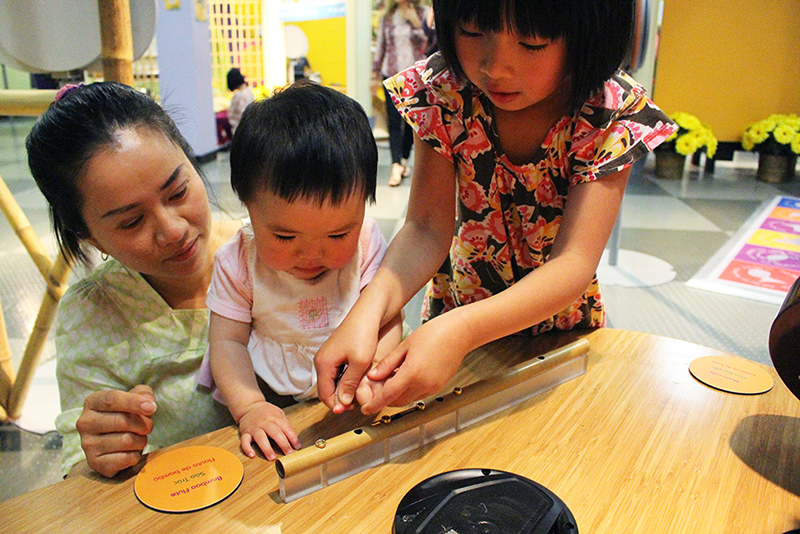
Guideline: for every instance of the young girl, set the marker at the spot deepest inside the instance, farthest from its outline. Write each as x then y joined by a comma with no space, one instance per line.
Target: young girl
524,121
304,163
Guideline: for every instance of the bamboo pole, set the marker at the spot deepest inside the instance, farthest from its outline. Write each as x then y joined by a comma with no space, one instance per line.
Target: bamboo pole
25,102
22,227
14,389
116,40
6,367
56,285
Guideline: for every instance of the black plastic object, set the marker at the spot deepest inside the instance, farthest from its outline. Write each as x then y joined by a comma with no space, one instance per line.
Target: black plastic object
784,340
482,501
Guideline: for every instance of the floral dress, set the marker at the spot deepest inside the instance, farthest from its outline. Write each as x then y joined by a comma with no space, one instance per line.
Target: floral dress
508,215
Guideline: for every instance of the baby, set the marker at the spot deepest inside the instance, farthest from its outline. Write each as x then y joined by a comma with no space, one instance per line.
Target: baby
304,163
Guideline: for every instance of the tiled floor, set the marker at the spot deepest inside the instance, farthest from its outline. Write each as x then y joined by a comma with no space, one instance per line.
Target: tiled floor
682,223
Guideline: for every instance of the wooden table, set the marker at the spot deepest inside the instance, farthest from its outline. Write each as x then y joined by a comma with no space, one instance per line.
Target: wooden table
636,445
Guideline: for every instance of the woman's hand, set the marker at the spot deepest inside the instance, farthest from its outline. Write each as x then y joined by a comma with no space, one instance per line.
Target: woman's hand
421,365
262,421
114,426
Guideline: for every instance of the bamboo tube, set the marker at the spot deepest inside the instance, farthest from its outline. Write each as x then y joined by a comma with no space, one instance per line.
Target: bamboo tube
25,102
338,446
19,222
6,365
116,40
56,285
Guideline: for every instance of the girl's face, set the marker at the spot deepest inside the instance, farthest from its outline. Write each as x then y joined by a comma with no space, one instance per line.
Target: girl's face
145,205
303,238
515,72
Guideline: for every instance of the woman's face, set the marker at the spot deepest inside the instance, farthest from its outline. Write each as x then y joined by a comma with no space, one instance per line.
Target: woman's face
145,205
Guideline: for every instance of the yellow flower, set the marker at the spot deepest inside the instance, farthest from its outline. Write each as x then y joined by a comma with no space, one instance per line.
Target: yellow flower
712,147
768,124
709,141
687,144
686,121
793,121
260,92
757,133
777,134
783,134
692,135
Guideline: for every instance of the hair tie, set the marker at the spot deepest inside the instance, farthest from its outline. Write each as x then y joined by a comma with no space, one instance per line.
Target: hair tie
67,89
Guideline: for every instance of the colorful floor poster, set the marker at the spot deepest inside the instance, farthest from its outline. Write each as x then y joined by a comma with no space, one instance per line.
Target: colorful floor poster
762,260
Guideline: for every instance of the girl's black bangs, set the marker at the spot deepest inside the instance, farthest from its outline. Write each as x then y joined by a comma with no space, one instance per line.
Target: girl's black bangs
529,19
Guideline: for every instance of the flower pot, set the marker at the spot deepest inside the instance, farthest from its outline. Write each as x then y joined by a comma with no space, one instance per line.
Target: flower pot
776,168
669,164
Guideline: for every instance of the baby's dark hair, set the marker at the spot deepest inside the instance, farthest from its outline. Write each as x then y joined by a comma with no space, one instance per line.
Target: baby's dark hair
70,132
597,33
306,141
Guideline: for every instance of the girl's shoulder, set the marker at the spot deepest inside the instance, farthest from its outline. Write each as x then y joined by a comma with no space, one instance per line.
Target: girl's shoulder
431,80
620,95
616,126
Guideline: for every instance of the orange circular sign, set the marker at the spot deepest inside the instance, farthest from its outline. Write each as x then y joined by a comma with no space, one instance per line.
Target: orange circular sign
731,374
188,479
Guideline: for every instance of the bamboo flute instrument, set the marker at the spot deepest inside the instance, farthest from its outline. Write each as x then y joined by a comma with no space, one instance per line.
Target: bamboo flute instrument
389,436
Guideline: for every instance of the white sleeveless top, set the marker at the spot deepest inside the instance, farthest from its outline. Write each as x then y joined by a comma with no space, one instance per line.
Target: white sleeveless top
291,318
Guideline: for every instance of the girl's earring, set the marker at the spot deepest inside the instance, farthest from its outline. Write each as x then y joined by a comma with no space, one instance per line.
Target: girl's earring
103,256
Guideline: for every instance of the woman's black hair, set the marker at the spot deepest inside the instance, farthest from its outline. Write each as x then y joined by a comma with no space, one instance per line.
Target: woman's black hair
70,132
306,141
235,79
597,33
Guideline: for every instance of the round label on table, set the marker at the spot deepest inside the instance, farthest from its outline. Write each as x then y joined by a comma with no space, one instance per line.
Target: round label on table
731,374
188,479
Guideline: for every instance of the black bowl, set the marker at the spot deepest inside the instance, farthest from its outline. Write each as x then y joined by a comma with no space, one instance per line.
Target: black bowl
482,501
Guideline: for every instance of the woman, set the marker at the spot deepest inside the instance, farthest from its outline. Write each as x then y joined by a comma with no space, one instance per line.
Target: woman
402,41
130,336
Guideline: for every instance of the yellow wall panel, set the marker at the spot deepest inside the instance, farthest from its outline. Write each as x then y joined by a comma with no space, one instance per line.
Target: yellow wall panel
729,63
326,48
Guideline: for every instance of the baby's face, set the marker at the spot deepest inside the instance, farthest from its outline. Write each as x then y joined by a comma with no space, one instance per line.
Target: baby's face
303,238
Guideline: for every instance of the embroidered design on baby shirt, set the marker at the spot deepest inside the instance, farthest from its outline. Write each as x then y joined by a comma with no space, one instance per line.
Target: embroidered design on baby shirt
313,313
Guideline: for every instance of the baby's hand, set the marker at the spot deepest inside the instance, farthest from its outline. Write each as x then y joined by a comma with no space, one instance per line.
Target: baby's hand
263,421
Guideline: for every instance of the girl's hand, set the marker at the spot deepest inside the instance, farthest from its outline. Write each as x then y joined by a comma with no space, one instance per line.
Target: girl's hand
367,390
352,344
114,426
262,421
421,365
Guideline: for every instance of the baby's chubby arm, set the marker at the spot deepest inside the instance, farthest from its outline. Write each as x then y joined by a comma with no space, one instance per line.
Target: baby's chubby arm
233,374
